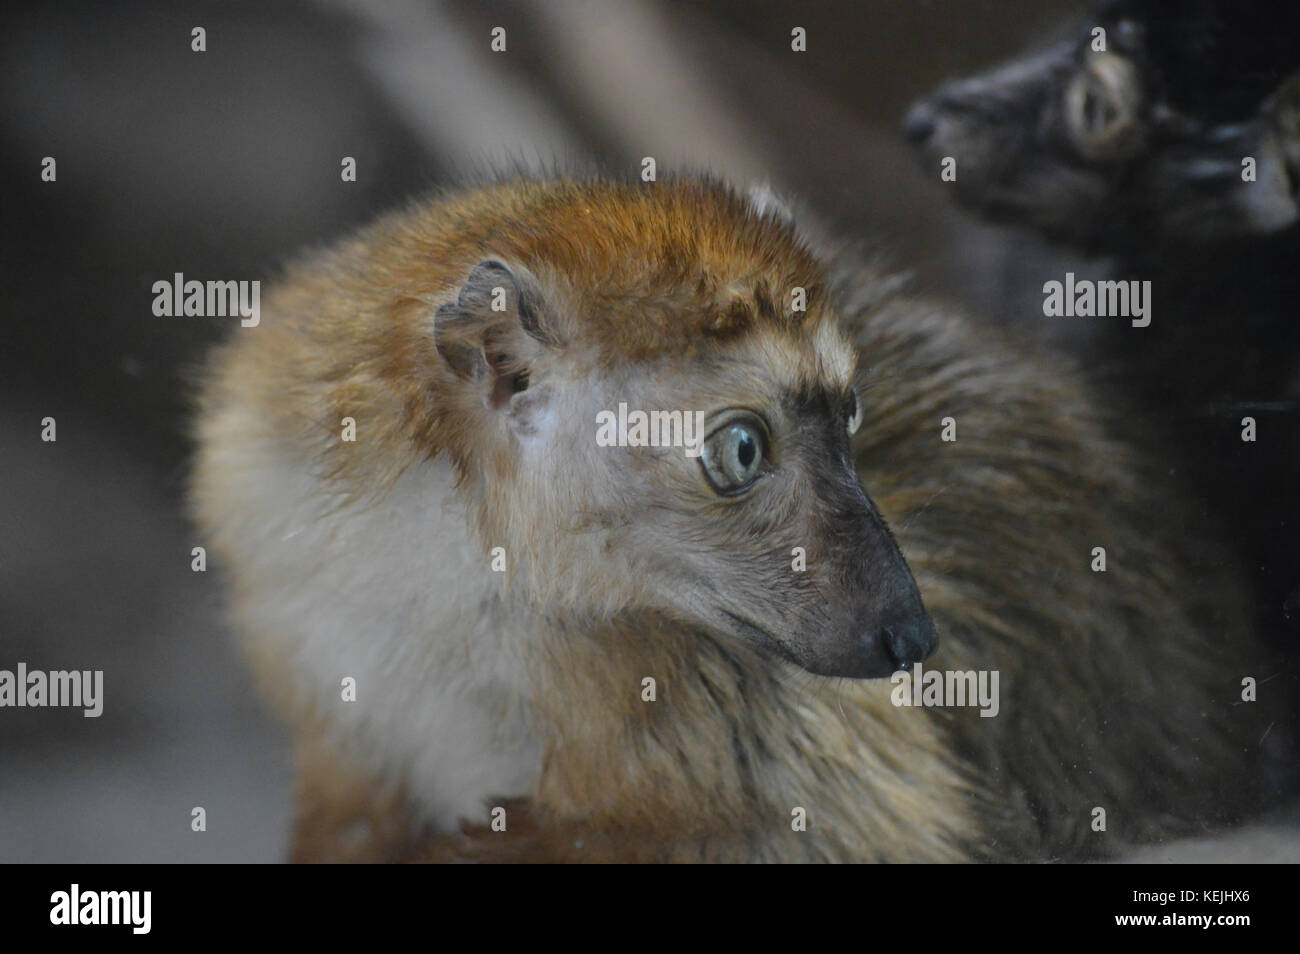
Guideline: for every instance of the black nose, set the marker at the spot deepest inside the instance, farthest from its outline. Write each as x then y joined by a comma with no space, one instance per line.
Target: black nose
909,641
919,124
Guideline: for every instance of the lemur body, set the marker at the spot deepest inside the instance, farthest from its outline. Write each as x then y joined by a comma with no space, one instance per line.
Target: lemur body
474,340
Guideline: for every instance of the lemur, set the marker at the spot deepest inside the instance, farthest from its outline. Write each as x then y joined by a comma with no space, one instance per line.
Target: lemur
1126,135
497,639
1167,137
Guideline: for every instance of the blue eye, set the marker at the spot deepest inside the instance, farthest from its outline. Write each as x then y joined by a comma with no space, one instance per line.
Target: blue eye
733,455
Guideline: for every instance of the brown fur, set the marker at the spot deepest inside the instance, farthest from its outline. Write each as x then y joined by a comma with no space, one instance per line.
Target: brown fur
1117,688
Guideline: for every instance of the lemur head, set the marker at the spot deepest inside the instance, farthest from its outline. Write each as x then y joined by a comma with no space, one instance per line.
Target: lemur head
572,311
1136,122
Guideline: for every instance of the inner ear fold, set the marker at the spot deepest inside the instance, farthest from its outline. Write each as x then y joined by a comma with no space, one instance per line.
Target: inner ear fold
494,330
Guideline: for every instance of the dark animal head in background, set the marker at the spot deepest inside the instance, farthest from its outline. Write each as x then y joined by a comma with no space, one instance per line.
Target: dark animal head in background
1148,136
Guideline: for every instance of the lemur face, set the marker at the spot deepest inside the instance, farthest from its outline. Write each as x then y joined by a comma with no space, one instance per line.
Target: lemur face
766,536
714,486
1006,137
1083,141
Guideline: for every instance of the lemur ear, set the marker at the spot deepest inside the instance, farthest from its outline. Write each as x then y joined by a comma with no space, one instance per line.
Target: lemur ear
764,200
493,330
1272,200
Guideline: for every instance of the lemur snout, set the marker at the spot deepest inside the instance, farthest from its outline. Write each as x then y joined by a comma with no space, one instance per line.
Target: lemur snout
908,640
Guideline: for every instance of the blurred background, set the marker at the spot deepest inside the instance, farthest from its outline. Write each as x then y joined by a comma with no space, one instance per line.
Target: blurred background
225,164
